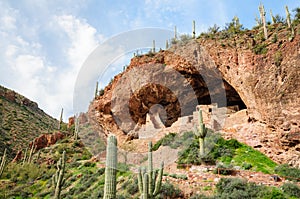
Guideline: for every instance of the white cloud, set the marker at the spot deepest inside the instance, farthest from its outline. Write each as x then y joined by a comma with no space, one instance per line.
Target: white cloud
25,65
83,38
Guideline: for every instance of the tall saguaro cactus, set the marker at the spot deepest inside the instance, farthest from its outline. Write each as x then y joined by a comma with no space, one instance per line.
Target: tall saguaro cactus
200,133
153,46
150,182
288,17
25,156
272,17
289,23
76,131
32,150
58,178
262,12
194,30
96,89
3,162
60,119
111,168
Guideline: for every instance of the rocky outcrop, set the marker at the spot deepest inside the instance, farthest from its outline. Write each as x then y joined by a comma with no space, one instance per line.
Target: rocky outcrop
221,70
14,97
46,140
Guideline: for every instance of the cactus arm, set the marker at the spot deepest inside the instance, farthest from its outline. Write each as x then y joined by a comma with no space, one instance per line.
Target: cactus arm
145,187
140,181
159,180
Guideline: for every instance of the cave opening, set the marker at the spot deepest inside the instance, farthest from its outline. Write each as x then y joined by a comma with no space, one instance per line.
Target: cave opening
169,109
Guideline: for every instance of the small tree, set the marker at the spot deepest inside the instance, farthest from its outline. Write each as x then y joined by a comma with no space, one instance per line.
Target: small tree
234,26
214,29
297,16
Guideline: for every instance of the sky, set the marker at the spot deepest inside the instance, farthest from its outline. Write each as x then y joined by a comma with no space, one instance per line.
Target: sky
44,44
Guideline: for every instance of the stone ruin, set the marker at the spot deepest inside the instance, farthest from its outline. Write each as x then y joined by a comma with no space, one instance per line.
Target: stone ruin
213,117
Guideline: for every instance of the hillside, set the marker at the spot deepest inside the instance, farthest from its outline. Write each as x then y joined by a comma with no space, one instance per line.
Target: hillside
228,68
212,117
21,120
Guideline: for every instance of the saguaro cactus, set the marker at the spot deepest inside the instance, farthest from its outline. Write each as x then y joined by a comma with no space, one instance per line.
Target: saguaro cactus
153,46
194,30
289,23
272,17
58,178
167,44
32,150
262,12
288,17
60,119
111,168
76,131
3,163
150,185
200,133
25,156
96,89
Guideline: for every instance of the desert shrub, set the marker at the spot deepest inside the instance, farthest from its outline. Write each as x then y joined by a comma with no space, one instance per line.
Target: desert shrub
200,196
190,154
271,192
224,169
132,187
246,166
260,49
165,141
224,149
25,173
168,190
101,171
89,164
290,189
278,58
288,172
177,176
232,188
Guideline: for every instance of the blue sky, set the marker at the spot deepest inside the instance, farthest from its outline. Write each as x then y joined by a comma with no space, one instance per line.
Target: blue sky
43,44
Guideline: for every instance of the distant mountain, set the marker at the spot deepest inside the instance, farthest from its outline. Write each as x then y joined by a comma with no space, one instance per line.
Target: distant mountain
21,120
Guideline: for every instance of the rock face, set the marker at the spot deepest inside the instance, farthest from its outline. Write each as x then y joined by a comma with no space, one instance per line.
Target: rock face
46,140
223,71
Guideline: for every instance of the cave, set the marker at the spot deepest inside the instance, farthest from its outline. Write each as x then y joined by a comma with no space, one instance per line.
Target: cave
142,101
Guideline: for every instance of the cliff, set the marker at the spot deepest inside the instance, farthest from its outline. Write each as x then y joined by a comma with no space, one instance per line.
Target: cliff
242,69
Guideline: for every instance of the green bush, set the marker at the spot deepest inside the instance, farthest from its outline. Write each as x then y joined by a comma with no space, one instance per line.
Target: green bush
260,49
177,176
278,58
288,172
290,189
246,166
271,192
132,187
168,190
224,169
236,188
89,164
